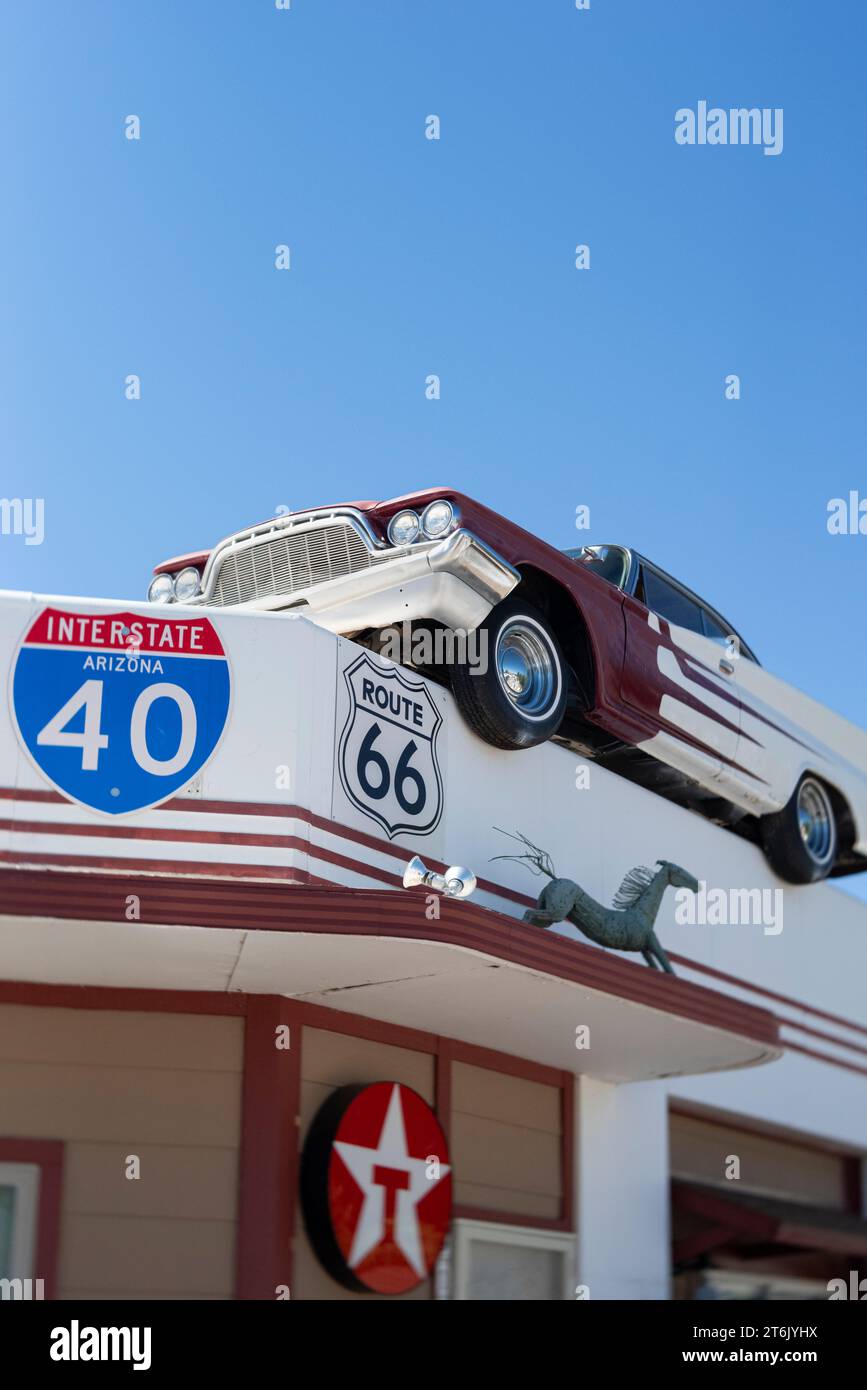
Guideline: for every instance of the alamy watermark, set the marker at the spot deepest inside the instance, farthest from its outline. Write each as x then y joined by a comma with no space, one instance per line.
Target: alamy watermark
23,1290
23,516
736,126
730,907
446,646
847,516
855,1289
77,1343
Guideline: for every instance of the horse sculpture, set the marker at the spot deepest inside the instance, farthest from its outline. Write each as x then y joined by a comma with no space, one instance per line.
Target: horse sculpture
625,926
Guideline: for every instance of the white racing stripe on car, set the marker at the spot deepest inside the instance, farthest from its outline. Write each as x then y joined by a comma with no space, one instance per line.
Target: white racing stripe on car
686,718
685,757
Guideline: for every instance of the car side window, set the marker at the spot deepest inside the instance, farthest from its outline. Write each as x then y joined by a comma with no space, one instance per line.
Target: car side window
669,603
714,629
610,562
724,636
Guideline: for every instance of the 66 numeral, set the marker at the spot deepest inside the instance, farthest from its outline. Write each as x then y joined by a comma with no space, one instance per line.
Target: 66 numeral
404,775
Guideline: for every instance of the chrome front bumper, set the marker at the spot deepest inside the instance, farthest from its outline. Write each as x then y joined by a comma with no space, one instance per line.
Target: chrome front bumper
467,558
455,581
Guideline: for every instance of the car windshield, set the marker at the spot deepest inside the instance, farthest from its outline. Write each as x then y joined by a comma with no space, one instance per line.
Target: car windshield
610,562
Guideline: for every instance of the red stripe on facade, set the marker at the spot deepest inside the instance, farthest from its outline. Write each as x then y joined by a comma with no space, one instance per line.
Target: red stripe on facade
767,993
208,837
825,1057
274,810
185,869
205,869
372,912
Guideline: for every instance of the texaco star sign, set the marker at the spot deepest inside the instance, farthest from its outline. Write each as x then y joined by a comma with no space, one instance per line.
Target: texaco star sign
376,1187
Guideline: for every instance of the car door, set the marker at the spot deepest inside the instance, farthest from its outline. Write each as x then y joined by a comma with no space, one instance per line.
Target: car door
680,678
782,733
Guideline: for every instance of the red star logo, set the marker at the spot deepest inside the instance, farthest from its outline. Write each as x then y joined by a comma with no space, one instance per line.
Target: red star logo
388,1187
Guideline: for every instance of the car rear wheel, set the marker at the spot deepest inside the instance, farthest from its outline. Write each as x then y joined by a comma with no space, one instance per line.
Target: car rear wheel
515,697
801,840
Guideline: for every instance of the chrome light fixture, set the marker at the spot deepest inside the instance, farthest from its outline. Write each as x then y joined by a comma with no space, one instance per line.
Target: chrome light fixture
161,589
456,882
187,584
404,527
438,519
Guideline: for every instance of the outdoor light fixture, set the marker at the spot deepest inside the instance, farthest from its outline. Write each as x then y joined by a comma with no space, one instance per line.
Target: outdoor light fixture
455,882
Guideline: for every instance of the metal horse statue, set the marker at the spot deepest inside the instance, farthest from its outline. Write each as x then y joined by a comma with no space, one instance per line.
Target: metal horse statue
625,926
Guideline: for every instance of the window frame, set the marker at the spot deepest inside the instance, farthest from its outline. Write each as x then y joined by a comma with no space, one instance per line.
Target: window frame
48,1156
642,563
576,552
465,1230
678,590
26,1180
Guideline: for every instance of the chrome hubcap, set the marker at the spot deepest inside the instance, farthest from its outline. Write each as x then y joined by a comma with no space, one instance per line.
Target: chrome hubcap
527,669
816,821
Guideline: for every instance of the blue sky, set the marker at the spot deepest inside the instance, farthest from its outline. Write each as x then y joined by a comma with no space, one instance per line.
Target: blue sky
560,387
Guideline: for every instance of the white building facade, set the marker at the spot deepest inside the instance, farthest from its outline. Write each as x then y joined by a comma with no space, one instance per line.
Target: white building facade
191,985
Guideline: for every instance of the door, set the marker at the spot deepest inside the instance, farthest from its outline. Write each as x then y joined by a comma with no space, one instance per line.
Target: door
681,676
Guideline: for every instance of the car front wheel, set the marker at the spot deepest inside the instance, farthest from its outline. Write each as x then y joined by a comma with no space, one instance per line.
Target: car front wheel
515,695
801,840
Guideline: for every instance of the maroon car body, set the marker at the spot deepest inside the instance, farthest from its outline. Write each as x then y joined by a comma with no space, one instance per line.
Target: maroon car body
595,646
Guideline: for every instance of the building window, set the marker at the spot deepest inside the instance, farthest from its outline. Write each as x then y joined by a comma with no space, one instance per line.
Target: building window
19,1208
495,1262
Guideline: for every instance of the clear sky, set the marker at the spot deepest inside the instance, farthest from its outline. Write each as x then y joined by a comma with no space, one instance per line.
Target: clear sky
559,388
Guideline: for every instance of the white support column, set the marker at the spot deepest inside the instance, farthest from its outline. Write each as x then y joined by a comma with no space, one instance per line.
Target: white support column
622,1189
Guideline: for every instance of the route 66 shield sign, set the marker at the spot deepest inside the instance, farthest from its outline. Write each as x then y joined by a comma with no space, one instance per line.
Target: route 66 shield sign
387,755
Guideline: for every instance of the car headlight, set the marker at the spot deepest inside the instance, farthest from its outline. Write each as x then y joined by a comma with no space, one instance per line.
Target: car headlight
404,528
187,584
438,519
161,589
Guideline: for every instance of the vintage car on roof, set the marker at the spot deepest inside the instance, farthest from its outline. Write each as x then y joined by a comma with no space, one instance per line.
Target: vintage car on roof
597,647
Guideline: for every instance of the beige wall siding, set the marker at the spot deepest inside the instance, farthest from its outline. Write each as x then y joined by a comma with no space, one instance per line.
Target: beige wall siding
336,1059
168,1089
165,1087
505,1142
700,1149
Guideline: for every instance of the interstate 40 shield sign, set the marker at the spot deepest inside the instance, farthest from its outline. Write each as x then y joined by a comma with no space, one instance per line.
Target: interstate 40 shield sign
120,710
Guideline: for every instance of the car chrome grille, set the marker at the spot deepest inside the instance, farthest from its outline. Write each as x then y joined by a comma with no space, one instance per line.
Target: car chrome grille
289,561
